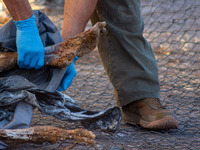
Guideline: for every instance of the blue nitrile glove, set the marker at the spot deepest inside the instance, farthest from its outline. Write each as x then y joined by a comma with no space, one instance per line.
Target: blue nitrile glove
29,44
68,77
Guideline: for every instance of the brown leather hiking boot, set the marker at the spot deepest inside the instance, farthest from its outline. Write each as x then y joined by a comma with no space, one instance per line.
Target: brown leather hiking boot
150,114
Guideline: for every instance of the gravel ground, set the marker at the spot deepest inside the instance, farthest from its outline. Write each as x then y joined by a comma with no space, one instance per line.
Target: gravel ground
173,29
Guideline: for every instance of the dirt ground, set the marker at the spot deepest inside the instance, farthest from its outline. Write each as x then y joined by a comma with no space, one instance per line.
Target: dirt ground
173,30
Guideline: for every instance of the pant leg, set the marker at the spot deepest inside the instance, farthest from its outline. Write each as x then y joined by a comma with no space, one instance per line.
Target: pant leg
126,55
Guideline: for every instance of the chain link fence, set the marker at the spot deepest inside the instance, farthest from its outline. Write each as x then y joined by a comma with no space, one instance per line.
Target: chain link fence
173,29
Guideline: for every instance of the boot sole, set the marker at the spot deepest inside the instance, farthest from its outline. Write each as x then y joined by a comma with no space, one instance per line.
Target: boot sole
168,122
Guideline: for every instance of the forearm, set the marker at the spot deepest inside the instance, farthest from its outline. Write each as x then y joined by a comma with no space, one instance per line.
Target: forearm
19,9
76,15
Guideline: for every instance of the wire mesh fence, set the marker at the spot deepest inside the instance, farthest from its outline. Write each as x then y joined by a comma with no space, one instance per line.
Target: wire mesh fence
173,29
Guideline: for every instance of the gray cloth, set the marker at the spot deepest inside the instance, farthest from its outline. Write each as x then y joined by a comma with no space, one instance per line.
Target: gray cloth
126,55
17,89
22,90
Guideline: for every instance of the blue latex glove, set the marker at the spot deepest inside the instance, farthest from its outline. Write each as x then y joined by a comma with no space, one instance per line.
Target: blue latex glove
29,44
68,77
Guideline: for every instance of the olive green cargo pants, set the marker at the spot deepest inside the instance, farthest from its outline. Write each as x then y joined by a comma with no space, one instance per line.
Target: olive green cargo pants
126,55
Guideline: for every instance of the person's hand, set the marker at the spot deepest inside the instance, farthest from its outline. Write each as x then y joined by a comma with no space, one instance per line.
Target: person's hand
29,44
68,77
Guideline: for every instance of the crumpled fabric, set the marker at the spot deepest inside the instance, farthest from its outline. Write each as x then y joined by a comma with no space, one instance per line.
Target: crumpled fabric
16,89
23,90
